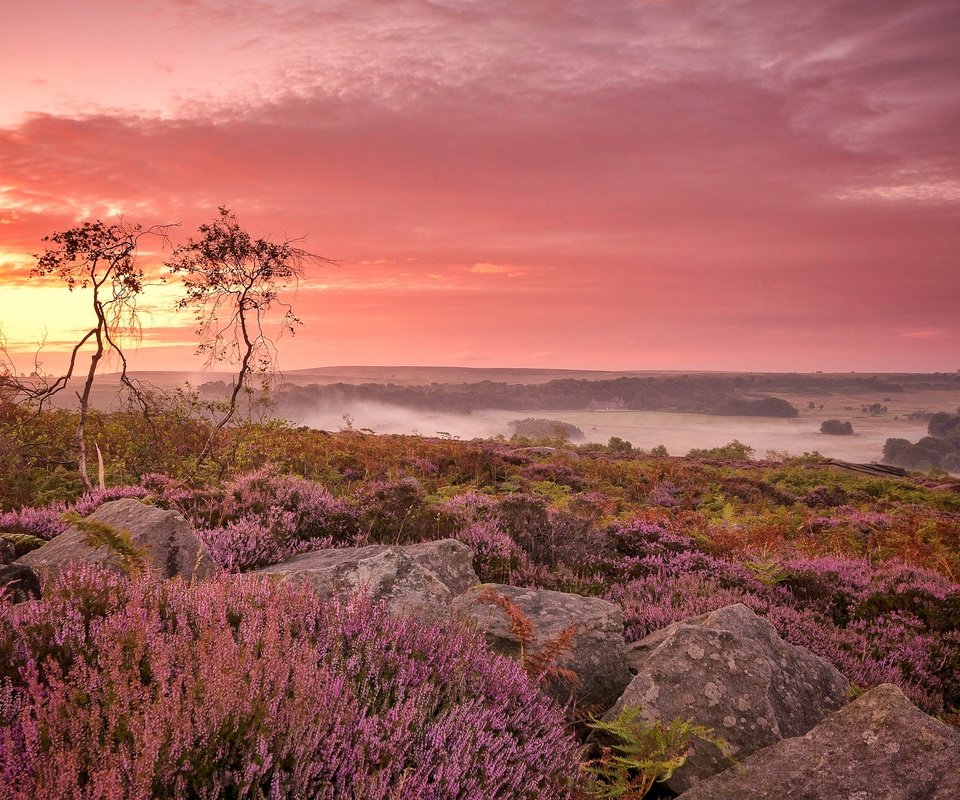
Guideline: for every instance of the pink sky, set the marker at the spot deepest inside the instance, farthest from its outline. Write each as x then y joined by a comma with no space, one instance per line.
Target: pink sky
646,184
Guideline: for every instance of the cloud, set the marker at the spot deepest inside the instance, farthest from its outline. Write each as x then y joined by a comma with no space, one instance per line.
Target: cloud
940,191
686,176
928,334
483,268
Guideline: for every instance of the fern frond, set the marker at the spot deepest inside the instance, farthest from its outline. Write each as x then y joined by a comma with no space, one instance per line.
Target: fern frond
541,664
647,752
119,543
520,624
537,661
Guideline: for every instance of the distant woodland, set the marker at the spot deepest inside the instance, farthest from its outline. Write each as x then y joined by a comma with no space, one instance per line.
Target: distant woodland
723,394
940,449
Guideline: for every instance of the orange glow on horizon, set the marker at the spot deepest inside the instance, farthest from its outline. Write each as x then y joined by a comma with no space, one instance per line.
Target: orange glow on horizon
638,191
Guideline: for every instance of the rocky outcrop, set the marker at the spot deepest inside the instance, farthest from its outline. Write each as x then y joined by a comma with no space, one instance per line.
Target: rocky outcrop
729,670
166,540
597,654
880,747
419,579
18,584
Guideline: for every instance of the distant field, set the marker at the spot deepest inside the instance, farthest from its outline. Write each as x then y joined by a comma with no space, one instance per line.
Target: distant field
678,432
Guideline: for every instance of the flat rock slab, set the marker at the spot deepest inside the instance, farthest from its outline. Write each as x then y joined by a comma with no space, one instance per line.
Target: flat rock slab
880,747
729,670
169,541
597,655
420,579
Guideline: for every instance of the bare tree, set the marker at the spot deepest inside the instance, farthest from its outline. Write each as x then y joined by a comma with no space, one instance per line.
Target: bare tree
233,284
101,259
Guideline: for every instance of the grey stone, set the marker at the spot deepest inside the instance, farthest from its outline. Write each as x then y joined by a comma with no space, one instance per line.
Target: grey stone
18,584
729,670
171,545
420,579
8,552
597,655
880,747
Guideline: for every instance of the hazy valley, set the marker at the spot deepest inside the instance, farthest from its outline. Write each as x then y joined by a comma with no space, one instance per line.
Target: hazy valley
481,403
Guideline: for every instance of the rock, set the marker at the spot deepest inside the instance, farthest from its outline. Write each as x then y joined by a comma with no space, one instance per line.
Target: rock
880,747
729,671
18,584
171,546
8,552
598,648
419,579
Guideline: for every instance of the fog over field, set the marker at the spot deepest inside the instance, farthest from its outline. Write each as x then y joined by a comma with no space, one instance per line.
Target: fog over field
678,432
905,403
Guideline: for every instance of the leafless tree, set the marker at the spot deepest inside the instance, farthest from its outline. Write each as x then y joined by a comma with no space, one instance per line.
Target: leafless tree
101,259
233,284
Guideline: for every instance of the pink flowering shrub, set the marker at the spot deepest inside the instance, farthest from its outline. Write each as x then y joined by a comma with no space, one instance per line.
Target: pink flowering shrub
44,522
663,495
304,507
242,688
876,624
260,518
516,538
248,543
497,555
47,521
472,519
821,554
422,465
91,501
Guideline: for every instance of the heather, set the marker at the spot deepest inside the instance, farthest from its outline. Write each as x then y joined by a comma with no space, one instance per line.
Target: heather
242,688
862,570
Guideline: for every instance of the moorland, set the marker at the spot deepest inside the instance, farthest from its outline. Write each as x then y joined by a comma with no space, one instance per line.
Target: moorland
860,570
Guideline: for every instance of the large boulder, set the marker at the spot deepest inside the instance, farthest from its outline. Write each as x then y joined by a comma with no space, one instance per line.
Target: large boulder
597,652
168,541
729,670
419,579
880,747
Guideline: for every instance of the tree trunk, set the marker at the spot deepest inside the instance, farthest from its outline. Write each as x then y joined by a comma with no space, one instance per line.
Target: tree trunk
85,406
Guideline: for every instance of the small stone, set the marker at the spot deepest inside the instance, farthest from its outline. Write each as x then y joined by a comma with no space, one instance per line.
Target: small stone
18,584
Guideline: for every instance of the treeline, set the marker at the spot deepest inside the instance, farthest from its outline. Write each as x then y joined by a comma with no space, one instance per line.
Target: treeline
537,428
705,394
940,449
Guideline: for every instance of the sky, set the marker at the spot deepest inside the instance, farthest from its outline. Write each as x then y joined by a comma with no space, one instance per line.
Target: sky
594,184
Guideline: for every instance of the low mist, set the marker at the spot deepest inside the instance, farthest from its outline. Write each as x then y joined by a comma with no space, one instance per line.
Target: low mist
386,418
678,432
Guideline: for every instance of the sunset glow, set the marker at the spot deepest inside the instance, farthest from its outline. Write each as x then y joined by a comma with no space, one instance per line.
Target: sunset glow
595,184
